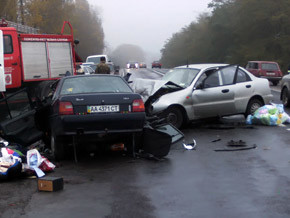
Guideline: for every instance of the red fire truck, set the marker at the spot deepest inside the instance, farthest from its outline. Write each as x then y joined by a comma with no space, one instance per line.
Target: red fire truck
34,60
29,64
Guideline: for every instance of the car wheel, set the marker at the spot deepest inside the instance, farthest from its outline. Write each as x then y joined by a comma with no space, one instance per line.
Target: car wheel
57,147
285,97
253,105
174,116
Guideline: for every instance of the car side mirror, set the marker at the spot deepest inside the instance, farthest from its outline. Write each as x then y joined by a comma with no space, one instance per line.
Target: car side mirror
76,41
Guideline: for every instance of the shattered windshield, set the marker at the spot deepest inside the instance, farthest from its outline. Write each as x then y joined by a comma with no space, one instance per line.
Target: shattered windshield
181,76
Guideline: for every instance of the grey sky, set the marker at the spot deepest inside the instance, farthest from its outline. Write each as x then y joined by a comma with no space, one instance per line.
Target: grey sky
146,23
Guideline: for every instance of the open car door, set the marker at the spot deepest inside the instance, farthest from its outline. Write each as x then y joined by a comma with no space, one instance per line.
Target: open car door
17,119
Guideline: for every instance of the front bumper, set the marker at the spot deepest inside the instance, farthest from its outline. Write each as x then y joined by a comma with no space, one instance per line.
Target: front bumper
272,78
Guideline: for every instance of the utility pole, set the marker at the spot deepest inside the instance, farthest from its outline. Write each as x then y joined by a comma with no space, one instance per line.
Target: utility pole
21,12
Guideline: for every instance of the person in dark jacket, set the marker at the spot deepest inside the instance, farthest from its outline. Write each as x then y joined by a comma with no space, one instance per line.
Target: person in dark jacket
102,68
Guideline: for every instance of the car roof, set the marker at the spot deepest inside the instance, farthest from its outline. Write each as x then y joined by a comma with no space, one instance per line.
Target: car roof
272,62
101,55
202,66
91,75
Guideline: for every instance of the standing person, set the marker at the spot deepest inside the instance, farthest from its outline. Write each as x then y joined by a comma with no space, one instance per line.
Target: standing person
102,68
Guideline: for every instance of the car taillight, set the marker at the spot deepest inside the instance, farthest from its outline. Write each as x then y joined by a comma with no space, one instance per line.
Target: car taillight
138,105
65,108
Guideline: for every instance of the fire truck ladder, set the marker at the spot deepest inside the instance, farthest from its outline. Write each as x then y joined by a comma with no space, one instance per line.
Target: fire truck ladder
19,27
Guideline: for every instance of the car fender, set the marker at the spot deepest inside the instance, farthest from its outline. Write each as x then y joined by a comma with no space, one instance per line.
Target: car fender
285,83
181,98
262,89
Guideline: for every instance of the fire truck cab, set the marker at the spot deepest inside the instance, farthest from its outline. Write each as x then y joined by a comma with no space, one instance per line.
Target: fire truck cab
30,57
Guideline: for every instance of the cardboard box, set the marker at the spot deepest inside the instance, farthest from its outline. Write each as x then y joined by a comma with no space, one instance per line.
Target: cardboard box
50,184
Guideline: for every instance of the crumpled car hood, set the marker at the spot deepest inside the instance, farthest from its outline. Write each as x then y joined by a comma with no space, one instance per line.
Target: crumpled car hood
149,88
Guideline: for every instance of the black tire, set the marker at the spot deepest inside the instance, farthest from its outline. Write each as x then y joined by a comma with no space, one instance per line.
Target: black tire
253,105
175,117
285,97
57,147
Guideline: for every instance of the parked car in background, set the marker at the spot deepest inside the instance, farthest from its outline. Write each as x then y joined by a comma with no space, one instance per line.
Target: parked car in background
94,108
86,68
90,68
142,65
97,58
285,90
200,91
156,64
266,69
132,65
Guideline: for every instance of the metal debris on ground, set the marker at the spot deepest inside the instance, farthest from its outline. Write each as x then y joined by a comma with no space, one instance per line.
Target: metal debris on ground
216,140
190,146
238,149
239,143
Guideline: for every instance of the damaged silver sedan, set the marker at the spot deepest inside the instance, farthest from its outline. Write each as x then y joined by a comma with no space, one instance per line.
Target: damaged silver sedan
200,91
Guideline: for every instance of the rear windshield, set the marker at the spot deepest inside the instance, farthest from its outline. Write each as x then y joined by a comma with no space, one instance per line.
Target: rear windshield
181,76
269,66
94,84
94,59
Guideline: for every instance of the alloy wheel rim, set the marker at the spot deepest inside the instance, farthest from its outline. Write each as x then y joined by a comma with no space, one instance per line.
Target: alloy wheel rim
254,107
172,118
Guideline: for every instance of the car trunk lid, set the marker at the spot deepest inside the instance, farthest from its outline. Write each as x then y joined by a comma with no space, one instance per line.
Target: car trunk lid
103,103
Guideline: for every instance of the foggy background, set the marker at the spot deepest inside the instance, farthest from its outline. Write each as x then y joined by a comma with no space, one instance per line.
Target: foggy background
145,23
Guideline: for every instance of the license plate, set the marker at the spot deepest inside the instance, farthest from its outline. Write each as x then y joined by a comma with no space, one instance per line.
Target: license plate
103,108
271,74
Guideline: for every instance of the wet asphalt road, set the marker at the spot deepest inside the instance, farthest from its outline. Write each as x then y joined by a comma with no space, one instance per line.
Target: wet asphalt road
196,183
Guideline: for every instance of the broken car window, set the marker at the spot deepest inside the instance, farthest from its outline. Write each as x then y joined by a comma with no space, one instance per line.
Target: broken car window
212,79
228,75
14,105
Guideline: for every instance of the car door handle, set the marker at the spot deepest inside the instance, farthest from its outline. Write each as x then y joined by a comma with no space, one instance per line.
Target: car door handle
248,86
225,90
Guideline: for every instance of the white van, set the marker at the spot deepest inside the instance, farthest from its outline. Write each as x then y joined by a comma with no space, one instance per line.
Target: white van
96,58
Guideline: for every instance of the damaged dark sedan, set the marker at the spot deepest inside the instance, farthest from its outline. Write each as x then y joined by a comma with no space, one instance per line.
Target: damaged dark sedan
94,108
